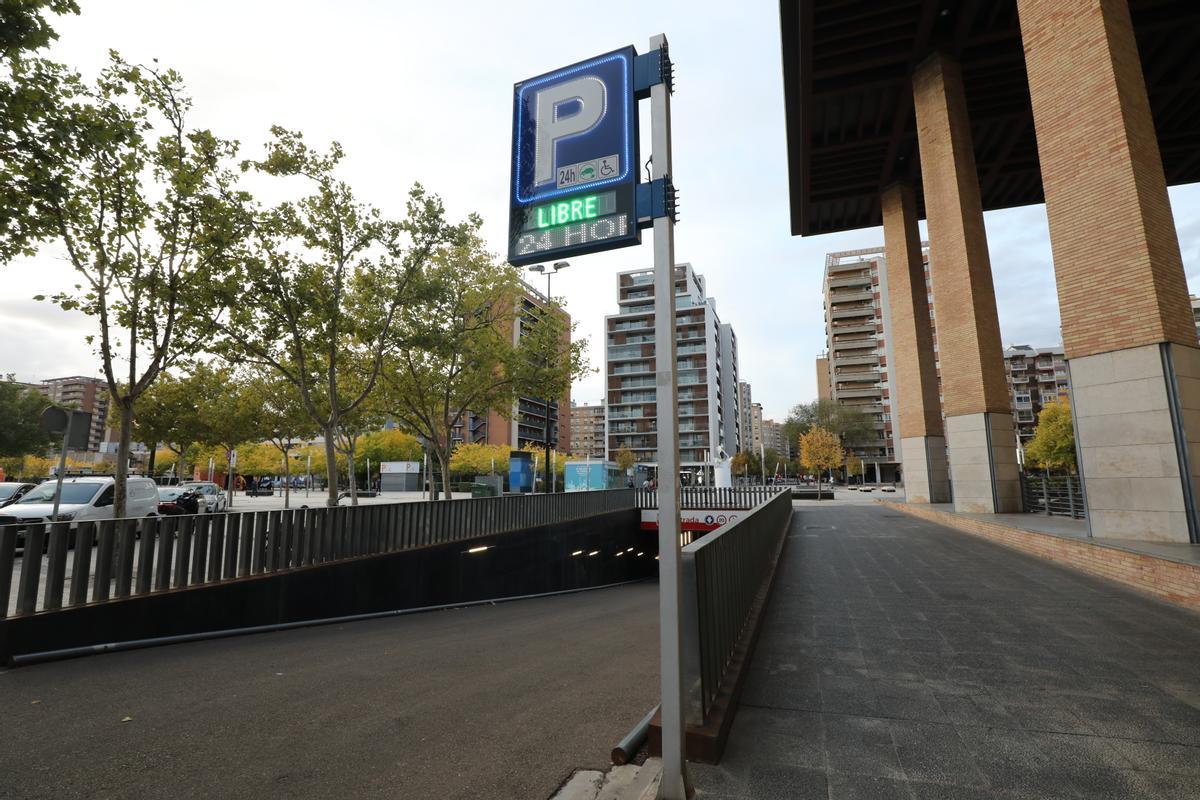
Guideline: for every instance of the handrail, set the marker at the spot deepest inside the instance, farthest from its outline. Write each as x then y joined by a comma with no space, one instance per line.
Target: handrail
154,554
728,498
724,581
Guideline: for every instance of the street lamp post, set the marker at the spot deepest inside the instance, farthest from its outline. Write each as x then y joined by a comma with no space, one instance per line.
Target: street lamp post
548,271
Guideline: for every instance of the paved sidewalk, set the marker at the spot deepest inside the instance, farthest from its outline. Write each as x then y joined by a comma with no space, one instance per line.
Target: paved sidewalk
901,659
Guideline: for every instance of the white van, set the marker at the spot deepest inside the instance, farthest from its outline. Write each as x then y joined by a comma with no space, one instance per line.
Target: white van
88,497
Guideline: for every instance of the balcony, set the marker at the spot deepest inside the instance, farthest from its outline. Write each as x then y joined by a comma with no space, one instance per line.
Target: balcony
873,391
861,279
846,361
848,297
857,327
866,310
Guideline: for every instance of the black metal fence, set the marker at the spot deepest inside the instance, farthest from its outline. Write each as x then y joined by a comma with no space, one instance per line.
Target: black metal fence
115,559
724,583
1053,495
735,498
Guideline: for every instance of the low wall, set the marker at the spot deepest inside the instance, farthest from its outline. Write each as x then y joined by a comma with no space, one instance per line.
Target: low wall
529,561
1172,581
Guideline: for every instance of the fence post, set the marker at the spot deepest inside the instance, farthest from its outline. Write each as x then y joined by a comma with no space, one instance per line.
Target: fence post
8,556
1070,497
162,573
104,560
1045,495
149,540
56,565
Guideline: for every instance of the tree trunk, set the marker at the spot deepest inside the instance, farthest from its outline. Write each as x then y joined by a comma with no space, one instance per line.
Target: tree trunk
446,477
229,472
121,468
153,448
287,479
331,468
353,477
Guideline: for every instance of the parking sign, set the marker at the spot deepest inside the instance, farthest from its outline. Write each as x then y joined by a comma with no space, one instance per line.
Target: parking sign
575,160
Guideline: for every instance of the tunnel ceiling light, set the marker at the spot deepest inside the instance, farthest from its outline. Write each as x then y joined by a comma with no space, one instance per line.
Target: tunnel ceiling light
478,549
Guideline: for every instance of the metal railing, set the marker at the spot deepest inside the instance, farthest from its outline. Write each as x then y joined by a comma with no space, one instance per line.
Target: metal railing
730,498
1053,495
115,559
724,584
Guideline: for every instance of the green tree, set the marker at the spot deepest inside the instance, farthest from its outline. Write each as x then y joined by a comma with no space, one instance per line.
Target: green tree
21,410
553,359
626,459
282,420
819,451
390,444
457,354
330,277
470,459
139,201
851,426
229,410
36,125
166,414
1053,442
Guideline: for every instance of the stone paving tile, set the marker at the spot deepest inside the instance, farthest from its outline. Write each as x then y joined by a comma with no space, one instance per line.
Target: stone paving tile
903,660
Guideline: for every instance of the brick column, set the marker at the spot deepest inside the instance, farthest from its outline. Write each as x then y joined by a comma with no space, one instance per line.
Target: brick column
979,428
916,413
1126,321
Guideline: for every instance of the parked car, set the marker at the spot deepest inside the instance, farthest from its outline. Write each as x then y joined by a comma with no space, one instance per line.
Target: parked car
175,500
214,498
83,498
12,492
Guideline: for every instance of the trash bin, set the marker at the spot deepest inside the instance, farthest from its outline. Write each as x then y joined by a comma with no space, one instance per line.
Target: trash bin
483,490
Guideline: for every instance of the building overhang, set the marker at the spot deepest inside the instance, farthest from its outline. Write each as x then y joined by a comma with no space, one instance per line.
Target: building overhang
847,67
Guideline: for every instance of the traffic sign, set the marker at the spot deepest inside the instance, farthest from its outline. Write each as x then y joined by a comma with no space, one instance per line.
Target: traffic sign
575,160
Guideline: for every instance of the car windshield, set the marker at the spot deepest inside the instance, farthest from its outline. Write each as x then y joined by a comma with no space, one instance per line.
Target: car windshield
7,490
171,493
72,493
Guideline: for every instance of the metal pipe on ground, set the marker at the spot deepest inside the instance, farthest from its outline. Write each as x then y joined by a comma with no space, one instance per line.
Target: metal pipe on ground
629,747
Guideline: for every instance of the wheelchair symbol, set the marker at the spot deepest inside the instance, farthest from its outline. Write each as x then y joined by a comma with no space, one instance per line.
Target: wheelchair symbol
607,168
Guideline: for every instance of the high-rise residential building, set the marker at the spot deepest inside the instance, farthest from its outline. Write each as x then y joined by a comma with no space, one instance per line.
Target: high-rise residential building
526,424
704,353
774,439
587,431
1195,312
86,394
756,427
824,390
856,321
731,417
744,416
1036,376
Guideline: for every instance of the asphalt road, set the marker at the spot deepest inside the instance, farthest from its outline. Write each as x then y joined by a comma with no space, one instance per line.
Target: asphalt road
490,702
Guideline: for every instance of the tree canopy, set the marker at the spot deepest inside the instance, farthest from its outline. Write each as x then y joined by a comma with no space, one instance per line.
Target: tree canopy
1053,443
329,276
21,410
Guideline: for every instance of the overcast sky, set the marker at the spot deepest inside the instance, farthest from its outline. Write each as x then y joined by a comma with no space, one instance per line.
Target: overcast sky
423,92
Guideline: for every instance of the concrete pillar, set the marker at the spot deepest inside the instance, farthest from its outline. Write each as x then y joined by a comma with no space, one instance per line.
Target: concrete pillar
1127,325
916,413
981,445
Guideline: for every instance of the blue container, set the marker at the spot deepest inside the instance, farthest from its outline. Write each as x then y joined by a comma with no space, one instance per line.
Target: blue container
520,471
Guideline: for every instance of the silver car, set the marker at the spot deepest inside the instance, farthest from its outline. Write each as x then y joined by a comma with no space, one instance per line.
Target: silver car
214,497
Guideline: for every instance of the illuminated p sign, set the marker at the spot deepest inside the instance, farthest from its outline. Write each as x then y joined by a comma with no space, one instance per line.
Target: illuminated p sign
574,138
563,111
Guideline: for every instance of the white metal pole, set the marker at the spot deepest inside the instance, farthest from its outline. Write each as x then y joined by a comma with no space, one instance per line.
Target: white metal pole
675,783
308,482
62,465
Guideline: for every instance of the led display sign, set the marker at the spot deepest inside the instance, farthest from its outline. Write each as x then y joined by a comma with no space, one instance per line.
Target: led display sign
575,160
